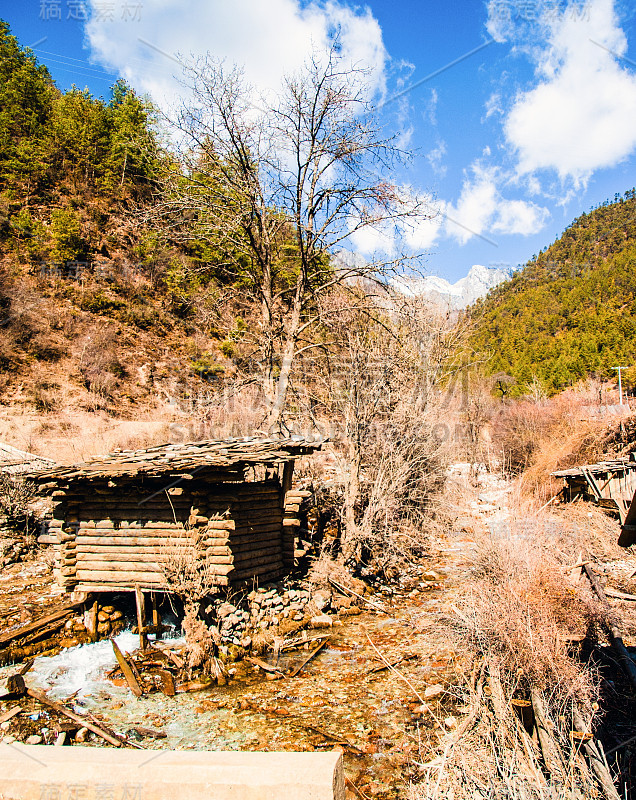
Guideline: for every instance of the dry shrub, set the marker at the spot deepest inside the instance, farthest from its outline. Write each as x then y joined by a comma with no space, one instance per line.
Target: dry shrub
517,429
520,611
567,445
512,623
16,496
619,438
584,528
537,438
491,756
99,365
325,568
188,573
405,472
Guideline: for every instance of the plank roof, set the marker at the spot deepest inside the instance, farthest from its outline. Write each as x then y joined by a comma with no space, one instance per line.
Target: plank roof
183,459
617,465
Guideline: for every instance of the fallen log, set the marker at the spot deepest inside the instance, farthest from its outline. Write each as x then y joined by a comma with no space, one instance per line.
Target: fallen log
174,657
61,709
403,677
598,764
149,732
399,660
299,641
549,749
9,713
614,634
619,595
502,708
345,590
264,665
167,680
193,686
56,617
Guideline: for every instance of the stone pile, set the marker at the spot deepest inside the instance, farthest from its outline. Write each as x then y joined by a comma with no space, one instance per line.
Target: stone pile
267,608
109,620
12,551
270,607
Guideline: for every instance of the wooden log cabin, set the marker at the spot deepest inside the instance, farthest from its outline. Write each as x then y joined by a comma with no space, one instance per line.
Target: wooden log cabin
121,522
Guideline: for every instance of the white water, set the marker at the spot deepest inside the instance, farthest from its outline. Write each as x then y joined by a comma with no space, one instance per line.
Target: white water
81,671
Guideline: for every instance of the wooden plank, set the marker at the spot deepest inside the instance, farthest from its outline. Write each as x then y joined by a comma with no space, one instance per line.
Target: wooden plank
256,564
250,530
264,573
256,542
258,557
122,576
123,520
615,637
136,575
140,605
306,660
131,680
127,551
31,627
115,566
120,586
592,483
9,713
168,549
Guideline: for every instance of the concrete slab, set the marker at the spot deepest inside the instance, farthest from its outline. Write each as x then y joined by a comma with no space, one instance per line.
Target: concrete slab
41,772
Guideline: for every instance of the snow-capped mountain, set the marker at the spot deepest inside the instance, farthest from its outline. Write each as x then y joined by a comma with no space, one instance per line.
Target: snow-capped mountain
457,295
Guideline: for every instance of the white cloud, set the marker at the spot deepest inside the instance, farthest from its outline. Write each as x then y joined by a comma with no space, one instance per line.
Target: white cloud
580,116
431,108
500,24
493,105
481,208
267,39
519,216
435,158
415,234
475,207
374,240
423,233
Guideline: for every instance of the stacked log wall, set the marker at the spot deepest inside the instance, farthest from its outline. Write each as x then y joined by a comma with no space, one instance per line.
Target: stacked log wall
256,543
113,539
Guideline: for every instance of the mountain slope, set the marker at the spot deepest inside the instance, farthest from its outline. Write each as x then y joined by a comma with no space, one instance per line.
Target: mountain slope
570,312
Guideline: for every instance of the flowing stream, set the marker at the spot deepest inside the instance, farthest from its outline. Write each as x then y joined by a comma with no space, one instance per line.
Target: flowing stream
336,700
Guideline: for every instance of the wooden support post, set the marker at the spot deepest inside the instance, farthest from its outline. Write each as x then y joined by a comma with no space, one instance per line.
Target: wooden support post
156,617
141,617
288,474
93,621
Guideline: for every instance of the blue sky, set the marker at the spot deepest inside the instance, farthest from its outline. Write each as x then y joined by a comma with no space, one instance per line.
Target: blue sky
511,142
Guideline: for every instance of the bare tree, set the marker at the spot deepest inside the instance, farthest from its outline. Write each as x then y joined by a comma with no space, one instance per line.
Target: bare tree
380,383
279,189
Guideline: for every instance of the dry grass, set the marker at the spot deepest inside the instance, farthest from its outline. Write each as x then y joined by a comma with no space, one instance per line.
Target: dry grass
519,611
567,443
535,438
491,754
514,621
